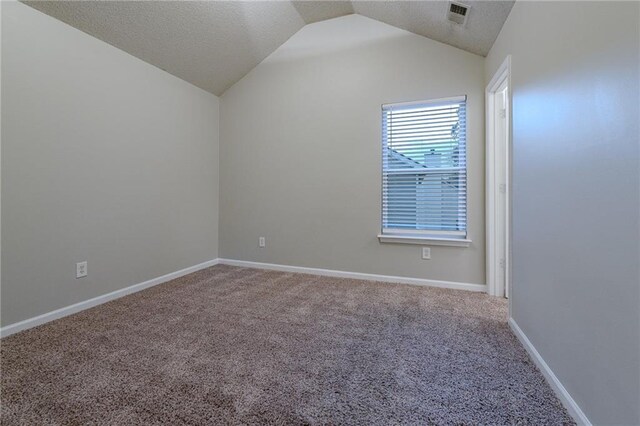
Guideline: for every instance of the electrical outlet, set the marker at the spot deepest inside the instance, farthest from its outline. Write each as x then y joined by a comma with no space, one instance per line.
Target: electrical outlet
262,242
81,269
426,253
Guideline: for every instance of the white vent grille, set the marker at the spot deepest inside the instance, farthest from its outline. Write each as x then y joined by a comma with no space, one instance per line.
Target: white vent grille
458,13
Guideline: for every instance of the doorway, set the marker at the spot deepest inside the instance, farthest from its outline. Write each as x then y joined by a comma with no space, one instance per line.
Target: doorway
498,168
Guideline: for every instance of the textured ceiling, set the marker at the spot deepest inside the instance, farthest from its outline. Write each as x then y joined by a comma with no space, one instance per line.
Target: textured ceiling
315,11
428,18
213,44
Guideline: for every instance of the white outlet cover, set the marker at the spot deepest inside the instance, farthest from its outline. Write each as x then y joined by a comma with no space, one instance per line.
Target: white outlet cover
261,242
81,269
426,253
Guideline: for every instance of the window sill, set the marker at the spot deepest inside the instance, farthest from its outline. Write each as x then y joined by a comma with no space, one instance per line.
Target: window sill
423,240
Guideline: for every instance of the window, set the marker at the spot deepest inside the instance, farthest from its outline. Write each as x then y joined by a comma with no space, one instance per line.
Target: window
424,170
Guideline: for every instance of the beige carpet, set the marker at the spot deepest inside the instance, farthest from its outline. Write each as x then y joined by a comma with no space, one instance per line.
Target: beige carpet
230,345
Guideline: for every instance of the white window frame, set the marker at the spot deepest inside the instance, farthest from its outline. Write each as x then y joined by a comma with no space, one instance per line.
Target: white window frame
430,237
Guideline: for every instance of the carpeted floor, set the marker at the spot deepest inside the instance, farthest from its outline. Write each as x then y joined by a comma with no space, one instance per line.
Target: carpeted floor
230,345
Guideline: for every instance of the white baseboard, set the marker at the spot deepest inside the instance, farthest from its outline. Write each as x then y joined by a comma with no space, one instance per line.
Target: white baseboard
561,392
81,306
356,275
572,407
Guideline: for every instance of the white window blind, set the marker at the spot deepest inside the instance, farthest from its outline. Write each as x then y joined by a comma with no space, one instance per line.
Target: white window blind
424,168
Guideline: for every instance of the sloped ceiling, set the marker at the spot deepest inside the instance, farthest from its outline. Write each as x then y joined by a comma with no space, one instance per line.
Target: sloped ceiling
428,18
213,44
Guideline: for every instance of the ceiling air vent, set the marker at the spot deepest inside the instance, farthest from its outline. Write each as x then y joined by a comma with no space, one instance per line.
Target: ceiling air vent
458,13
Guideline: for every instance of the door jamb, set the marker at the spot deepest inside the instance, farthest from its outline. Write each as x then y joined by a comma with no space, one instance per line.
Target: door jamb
492,262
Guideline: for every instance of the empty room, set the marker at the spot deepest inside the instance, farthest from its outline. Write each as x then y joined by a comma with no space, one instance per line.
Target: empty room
320,212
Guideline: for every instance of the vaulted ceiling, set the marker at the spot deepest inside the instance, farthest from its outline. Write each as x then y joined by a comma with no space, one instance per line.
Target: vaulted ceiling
213,44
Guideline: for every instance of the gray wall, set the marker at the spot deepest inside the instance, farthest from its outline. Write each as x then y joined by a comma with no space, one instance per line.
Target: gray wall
576,189
105,158
300,152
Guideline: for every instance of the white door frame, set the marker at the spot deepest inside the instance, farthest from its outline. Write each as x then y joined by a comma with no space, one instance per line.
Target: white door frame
502,75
